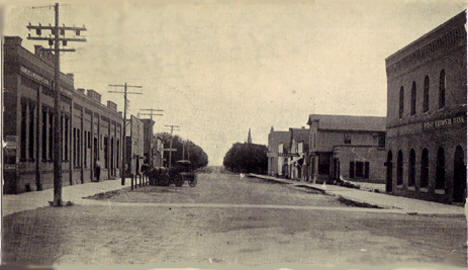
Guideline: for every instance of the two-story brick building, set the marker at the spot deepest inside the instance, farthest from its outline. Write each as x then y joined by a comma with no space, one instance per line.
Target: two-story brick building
91,130
426,115
345,146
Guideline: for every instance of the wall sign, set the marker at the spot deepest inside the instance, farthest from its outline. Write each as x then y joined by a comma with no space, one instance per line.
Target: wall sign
445,123
35,76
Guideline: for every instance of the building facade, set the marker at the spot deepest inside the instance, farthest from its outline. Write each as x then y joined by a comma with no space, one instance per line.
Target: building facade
426,115
91,130
298,147
344,146
148,140
134,143
275,138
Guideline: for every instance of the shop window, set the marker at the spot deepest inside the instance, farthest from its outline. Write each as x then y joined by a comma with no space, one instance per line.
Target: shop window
411,171
106,153
44,134
351,169
401,105
426,95
78,150
424,181
324,165
413,99
85,150
366,170
359,169
440,169
74,147
442,85
118,154
112,153
67,134
400,168
32,131
23,131
51,136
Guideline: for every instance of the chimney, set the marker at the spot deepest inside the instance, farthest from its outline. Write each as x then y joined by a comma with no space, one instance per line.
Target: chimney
94,95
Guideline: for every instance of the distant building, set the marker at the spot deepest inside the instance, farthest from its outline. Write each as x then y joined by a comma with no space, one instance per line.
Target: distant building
148,140
275,160
91,130
426,115
297,153
134,143
249,137
347,147
158,151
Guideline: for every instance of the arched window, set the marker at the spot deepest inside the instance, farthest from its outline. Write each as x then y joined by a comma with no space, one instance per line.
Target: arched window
426,95
442,82
400,168
424,181
402,101
411,171
440,169
413,98
389,182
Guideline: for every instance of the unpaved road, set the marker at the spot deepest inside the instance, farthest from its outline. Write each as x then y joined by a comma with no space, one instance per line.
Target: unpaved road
152,225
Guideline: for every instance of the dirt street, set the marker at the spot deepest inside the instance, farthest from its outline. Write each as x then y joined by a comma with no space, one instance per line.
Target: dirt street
153,225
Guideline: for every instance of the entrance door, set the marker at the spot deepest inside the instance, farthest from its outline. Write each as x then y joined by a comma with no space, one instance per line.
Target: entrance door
389,178
459,176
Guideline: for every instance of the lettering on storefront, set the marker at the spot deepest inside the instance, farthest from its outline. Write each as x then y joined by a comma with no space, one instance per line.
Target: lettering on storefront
445,123
35,76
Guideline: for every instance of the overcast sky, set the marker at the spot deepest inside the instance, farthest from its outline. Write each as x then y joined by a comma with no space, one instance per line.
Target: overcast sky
218,68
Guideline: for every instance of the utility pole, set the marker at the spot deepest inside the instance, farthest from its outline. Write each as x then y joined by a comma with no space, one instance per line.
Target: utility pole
56,31
124,142
170,145
151,114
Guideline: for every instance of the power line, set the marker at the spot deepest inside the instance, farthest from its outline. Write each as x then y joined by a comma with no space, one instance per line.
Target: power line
55,40
125,92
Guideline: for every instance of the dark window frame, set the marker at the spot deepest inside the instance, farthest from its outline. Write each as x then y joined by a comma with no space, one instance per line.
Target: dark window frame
426,94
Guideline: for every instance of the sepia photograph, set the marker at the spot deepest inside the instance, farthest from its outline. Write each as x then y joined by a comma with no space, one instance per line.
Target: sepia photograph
217,134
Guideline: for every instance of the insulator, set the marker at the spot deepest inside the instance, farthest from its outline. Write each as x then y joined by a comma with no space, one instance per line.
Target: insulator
77,32
38,31
62,32
64,42
51,42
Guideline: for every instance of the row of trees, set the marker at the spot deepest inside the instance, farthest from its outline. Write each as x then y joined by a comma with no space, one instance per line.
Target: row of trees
247,158
186,149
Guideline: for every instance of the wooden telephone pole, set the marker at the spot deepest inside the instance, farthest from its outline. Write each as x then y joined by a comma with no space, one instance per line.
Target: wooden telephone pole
170,145
56,31
124,142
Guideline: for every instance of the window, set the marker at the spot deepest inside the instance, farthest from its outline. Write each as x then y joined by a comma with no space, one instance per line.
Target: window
442,85
413,99
400,168
23,130
366,169
382,140
324,165
112,153
347,139
359,169
412,170
85,149
351,169
89,139
402,100
440,169
426,95
44,134
32,132
424,168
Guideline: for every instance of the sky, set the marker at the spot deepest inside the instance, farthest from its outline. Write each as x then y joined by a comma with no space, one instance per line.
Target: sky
218,68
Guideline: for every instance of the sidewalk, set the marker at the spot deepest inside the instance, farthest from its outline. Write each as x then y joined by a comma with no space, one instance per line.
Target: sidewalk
407,205
12,203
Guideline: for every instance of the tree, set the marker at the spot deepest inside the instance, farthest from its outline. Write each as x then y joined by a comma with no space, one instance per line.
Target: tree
189,151
246,158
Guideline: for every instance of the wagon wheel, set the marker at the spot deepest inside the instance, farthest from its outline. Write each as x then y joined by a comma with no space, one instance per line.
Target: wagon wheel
178,180
193,182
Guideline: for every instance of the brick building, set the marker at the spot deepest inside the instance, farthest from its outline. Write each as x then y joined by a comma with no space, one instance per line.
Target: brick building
344,146
275,139
426,115
91,130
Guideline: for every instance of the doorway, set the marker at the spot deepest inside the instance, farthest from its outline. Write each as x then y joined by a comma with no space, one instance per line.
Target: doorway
459,176
389,180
